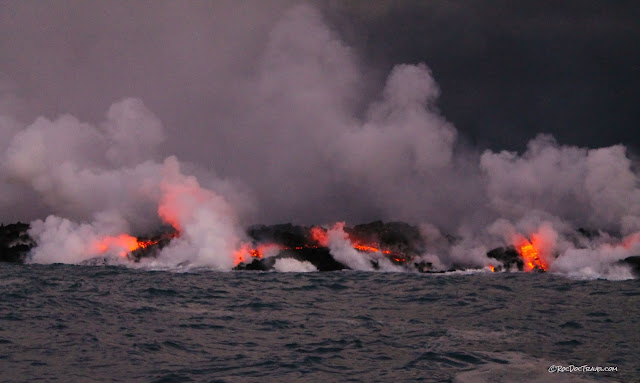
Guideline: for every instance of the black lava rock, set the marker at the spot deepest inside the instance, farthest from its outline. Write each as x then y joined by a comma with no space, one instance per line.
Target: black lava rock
286,234
15,242
398,237
153,243
320,257
508,256
634,262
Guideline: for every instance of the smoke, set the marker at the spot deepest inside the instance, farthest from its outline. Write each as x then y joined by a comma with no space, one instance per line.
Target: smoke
105,177
70,164
286,125
589,187
290,265
208,226
596,262
343,251
61,240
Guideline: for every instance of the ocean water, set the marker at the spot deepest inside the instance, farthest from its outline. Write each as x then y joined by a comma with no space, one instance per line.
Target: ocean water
103,323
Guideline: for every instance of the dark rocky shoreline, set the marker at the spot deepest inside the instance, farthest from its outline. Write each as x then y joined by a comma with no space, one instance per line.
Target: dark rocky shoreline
400,243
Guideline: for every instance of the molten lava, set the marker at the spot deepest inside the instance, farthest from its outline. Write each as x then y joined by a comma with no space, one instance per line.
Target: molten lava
246,252
144,244
398,258
531,257
366,248
122,244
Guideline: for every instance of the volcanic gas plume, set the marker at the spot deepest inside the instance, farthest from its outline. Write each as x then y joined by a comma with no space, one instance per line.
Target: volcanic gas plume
301,139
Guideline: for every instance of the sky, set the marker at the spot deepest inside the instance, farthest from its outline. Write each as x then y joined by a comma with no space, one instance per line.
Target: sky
324,110
509,70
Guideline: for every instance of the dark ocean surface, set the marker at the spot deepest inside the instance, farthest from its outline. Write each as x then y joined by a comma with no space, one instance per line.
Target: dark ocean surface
104,323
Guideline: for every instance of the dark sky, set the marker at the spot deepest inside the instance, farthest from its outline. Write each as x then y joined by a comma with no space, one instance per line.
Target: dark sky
510,69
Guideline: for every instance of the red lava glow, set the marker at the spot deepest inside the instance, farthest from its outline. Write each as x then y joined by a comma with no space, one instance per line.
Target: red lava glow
145,244
631,241
246,253
531,255
493,269
372,248
365,248
142,244
320,236
122,244
240,255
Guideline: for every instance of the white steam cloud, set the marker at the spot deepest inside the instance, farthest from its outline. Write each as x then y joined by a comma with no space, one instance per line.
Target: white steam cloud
290,265
596,187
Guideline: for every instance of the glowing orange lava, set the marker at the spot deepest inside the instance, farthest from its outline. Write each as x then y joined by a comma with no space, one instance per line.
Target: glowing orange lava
246,253
531,256
372,248
365,248
239,256
122,244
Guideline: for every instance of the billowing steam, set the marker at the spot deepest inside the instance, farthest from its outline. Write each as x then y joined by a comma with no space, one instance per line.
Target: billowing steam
300,131
208,226
290,265
595,188
102,175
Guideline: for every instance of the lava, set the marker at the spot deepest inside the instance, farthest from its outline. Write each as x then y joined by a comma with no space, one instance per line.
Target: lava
320,236
373,248
125,244
531,255
240,255
143,244
122,244
365,248
246,252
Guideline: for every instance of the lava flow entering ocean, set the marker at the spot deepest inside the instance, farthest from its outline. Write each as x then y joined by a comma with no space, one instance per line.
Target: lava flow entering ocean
319,238
125,244
531,256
